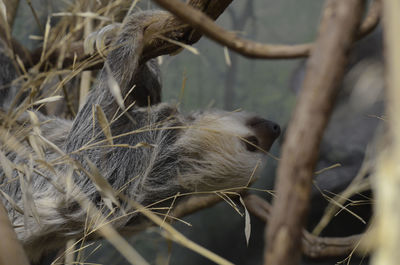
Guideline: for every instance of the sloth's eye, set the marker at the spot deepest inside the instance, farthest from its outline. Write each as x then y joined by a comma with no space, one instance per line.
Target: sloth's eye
251,143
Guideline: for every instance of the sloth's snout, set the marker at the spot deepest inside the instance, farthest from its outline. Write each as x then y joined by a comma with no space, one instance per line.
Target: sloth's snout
265,132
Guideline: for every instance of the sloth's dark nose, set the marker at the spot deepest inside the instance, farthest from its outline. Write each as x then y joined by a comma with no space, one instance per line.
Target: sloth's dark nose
265,131
275,128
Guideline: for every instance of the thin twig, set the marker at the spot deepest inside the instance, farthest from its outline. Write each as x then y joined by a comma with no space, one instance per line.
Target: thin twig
29,2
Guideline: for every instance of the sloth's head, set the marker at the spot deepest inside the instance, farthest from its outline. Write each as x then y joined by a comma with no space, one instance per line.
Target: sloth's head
204,151
223,149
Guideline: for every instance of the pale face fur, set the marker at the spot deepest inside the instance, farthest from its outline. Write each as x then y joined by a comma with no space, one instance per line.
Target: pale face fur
216,152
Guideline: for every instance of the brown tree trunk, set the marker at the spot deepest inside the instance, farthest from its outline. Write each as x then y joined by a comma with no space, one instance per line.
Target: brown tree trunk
338,29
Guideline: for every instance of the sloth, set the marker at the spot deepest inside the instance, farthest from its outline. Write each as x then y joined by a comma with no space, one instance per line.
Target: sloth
147,152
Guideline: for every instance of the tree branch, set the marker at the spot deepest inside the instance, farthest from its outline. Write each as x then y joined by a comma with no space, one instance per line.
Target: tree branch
231,40
174,28
171,27
166,26
311,245
249,48
325,69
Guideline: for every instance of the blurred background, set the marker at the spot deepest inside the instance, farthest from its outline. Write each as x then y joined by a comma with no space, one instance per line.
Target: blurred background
217,78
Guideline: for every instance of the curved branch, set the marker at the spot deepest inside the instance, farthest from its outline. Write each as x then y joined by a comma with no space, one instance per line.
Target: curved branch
167,26
231,40
249,48
171,27
312,246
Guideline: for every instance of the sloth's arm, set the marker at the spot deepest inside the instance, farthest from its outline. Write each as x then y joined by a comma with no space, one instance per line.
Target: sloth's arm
139,84
122,63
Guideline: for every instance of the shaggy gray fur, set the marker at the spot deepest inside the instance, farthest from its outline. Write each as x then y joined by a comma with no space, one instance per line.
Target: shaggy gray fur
176,153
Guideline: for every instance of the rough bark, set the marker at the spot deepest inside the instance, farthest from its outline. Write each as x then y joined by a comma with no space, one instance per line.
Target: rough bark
340,21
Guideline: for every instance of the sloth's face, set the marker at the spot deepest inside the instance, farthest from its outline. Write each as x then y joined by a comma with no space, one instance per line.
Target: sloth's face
224,149
257,134
204,151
